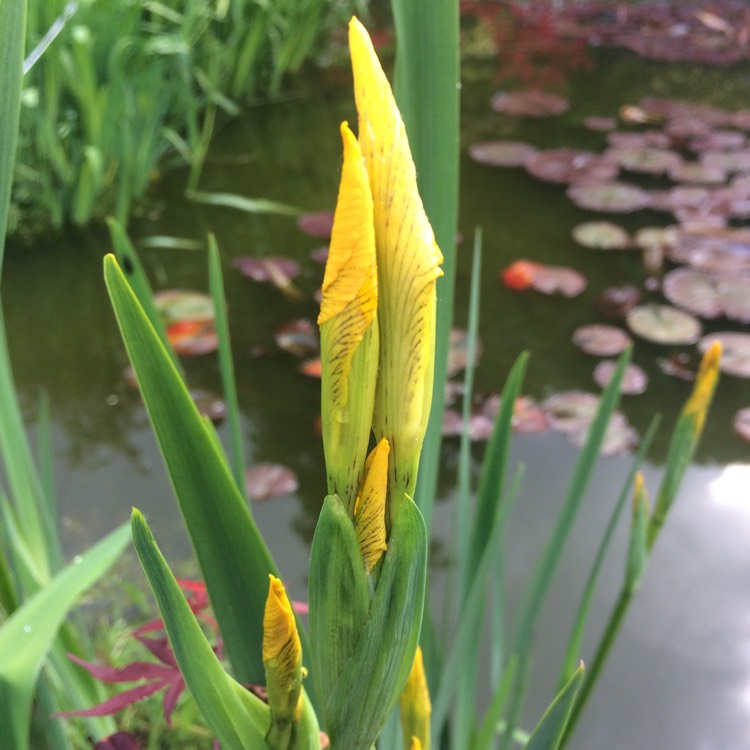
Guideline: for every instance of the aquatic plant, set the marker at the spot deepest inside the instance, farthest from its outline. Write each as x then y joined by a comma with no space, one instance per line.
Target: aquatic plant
124,85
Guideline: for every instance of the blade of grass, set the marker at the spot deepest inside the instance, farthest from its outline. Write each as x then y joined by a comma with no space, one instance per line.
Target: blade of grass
549,731
427,90
12,34
547,565
26,636
242,203
226,366
575,642
232,554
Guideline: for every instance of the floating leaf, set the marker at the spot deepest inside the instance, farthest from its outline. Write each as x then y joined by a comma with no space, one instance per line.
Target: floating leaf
599,124
528,417
643,139
209,404
264,481
601,235
458,353
619,437
298,337
179,305
566,165
614,197
634,380
727,161
320,254
558,279
681,366
645,160
718,140
616,301
528,103
601,340
193,338
650,236
741,423
316,224
571,411
735,351
664,324
694,291
276,271
502,153
713,250
696,172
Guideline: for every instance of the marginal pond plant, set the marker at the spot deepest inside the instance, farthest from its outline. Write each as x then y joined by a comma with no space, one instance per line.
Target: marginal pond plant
357,671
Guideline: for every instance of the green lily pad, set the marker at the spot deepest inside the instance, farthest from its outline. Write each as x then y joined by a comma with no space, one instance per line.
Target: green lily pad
179,305
664,324
601,235
612,197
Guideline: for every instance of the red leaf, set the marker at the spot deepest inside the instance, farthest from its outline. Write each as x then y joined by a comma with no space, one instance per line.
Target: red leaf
118,741
139,670
120,701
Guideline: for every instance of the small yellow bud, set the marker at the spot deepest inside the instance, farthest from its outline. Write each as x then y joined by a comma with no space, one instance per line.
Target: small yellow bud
369,511
415,706
705,384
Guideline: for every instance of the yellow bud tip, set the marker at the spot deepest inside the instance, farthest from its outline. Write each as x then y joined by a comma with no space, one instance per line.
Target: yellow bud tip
415,744
369,510
279,626
705,384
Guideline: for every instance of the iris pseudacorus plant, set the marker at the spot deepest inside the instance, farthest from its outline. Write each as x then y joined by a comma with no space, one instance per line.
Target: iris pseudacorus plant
377,321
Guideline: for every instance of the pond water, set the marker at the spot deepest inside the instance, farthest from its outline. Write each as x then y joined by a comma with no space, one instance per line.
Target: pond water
679,679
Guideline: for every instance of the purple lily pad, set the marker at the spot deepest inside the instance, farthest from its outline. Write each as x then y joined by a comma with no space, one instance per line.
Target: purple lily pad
634,379
502,153
709,295
613,197
528,103
568,166
719,140
458,353
571,411
741,423
558,280
600,124
722,250
664,324
735,351
601,235
615,301
317,224
267,480
320,254
697,173
298,337
267,270
601,340
643,139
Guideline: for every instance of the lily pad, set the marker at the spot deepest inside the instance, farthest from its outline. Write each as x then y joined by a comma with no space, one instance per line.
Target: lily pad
741,423
458,353
190,338
650,236
179,305
727,161
571,411
601,235
298,337
600,124
664,324
719,140
642,139
722,250
317,224
528,103
645,160
267,270
546,279
619,437
612,197
502,153
697,173
568,166
528,417
710,295
735,351
681,365
320,254
209,404
634,379
601,340
267,480
615,301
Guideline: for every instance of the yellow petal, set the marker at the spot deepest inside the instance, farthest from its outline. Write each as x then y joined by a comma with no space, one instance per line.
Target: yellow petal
279,626
415,744
408,266
348,329
705,385
369,511
415,705
351,275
